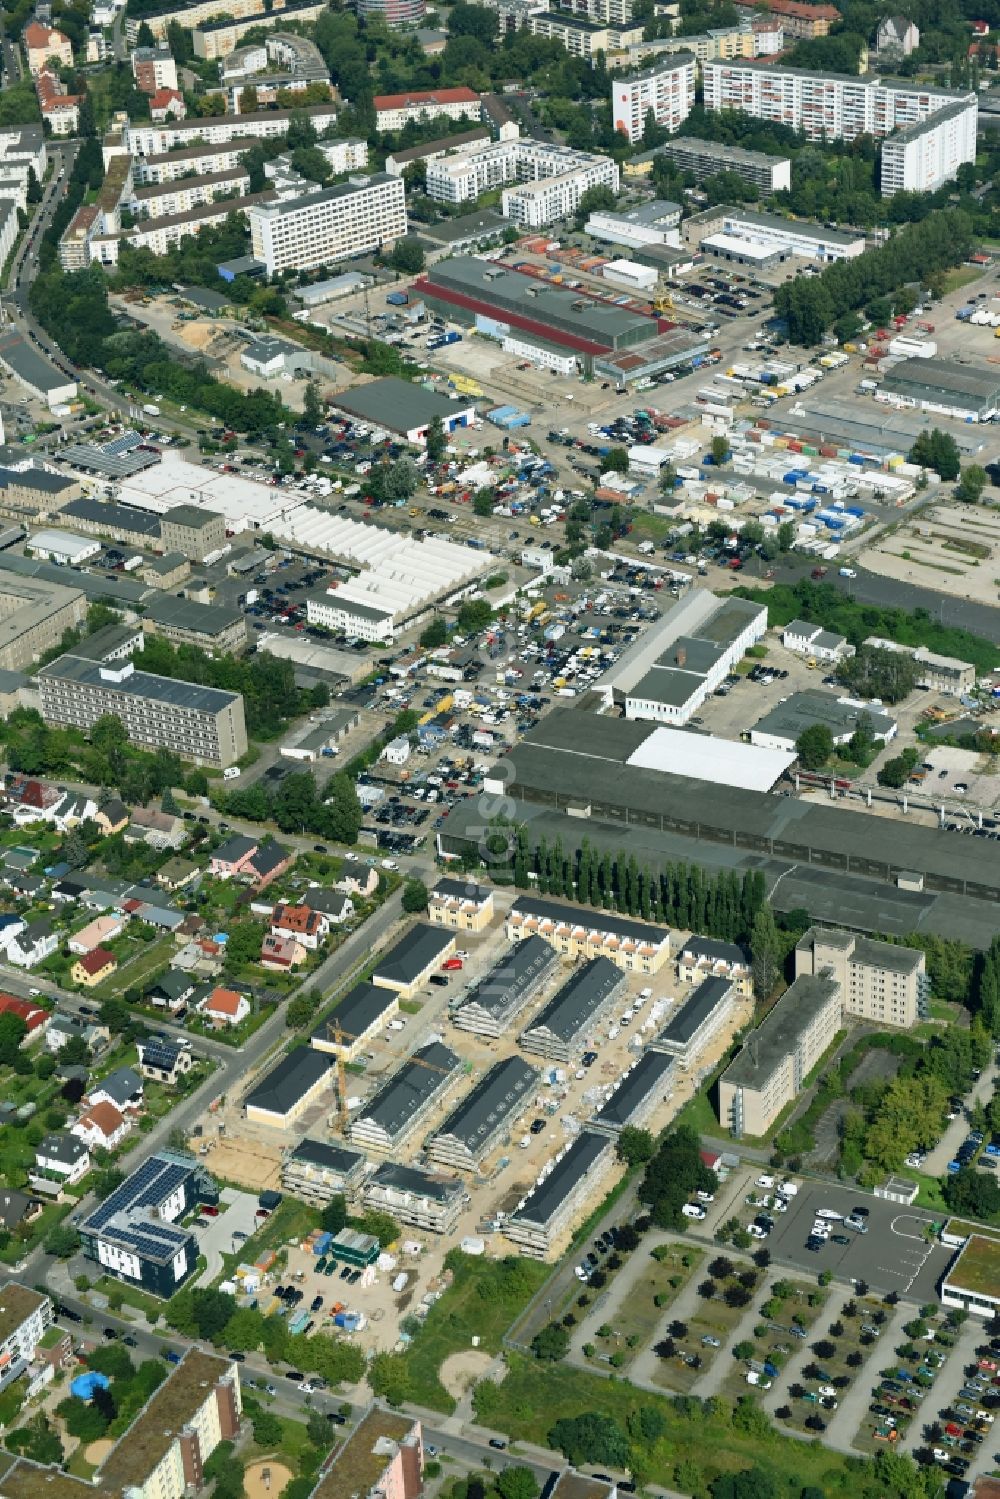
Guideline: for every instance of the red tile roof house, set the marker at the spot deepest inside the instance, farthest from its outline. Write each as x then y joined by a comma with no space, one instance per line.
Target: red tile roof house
301,923
281,952
232,857
34,1017
102,1125
224,1007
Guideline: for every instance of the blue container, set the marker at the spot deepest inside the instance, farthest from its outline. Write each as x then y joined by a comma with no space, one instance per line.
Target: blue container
84,1385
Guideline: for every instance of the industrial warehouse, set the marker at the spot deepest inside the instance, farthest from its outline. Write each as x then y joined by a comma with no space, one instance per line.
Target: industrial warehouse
572,781
942,386
600,338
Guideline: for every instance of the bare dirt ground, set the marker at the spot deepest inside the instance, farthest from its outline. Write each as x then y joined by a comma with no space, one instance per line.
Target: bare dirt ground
249,1163
96,1452
261,1480
462,1370
948,547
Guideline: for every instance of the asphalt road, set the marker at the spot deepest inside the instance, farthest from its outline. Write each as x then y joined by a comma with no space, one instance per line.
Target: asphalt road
869,588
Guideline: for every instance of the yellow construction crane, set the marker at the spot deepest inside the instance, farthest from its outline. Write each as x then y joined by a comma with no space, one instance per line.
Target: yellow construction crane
336,1035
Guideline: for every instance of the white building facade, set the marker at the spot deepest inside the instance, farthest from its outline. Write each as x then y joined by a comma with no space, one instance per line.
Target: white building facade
321,228
924,156
666,88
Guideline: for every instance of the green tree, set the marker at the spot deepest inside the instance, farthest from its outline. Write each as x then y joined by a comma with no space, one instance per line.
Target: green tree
62,1241
435,634
971,484
407,255
267,1429
437,441
590,1438
389,1376
814,746
12,1032
312,405
517,1482
635,1146
616,460
551,1343
765,951
415,896
719,449
938,451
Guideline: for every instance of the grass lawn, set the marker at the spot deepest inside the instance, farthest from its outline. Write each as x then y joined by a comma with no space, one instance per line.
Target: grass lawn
135,964
131,1295
79,1466
290,1220
929,1195
655,527
962,275
533,1397
483,1300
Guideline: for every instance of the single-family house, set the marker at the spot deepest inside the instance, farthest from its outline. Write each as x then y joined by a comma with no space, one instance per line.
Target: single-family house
162,1060
359,879
62,1026
72,809
232,857
93,968
155,828
102,1126
281,953
10,926
301,923
808,639
178,874
17,1208
34,1017
23,884
224,1007
34,944
171,991
266,863
102,929
335,905
112,817
202,955
61,1160
122,1087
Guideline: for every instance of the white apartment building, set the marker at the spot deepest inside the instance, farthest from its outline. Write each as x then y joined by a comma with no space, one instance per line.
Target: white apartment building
347,155
22,148
879,981
321,228
547,181
608,12
666,88
207,161
159,235
738,231
583,38
160,199
140,138
834,106
24,1317
921,157
393,111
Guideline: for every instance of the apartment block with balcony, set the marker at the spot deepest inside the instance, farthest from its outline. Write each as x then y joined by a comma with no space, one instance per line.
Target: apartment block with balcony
141,138
383,1458
24,1317
879,981
666,89
770,1070
923,156
334,224
584,38
576,932
202,724
393,111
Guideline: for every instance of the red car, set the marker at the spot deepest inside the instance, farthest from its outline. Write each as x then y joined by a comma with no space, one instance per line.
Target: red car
451,964
210,1212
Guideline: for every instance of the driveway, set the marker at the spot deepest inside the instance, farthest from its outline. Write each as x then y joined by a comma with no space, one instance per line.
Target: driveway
215,1239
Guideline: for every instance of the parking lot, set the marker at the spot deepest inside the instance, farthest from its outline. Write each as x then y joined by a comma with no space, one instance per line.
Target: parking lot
893,1256
224,1234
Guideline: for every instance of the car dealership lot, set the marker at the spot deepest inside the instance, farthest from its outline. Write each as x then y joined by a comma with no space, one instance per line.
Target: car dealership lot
892,1256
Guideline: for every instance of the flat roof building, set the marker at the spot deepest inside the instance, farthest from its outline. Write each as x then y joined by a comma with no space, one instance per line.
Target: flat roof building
192,531
421,1199
560,1194
780,728
210,627
770,236
34,616
692,1027
383,1458
403,408
318,1171
492,1005
404,1100
943,386
880,982
302,1078
770,1071
487,1113
562,1025
329,225
705,159
135,1234
973,1282
202,724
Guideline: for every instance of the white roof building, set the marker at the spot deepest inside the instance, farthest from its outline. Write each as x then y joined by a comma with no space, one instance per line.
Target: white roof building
63,546
246,504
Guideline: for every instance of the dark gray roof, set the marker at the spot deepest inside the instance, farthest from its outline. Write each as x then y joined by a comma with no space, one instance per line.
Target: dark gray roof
395,403
359,1009
62,1147
28,365
803,709
518,970
120,1085
711,947
336,1158
174,984
416,1182
779,1031
648,1074
35,478
591,919
408,1090
545,1199
491,1101
236,847
415,951
185,614
462,890
142,684
115,517
192,516
685,1023
269,856
575,1004
286,1083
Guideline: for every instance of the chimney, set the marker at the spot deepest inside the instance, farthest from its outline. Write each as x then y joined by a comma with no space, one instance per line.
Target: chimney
681,655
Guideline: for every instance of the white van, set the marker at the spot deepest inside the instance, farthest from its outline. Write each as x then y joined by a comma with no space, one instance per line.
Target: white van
692,1210
231,773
